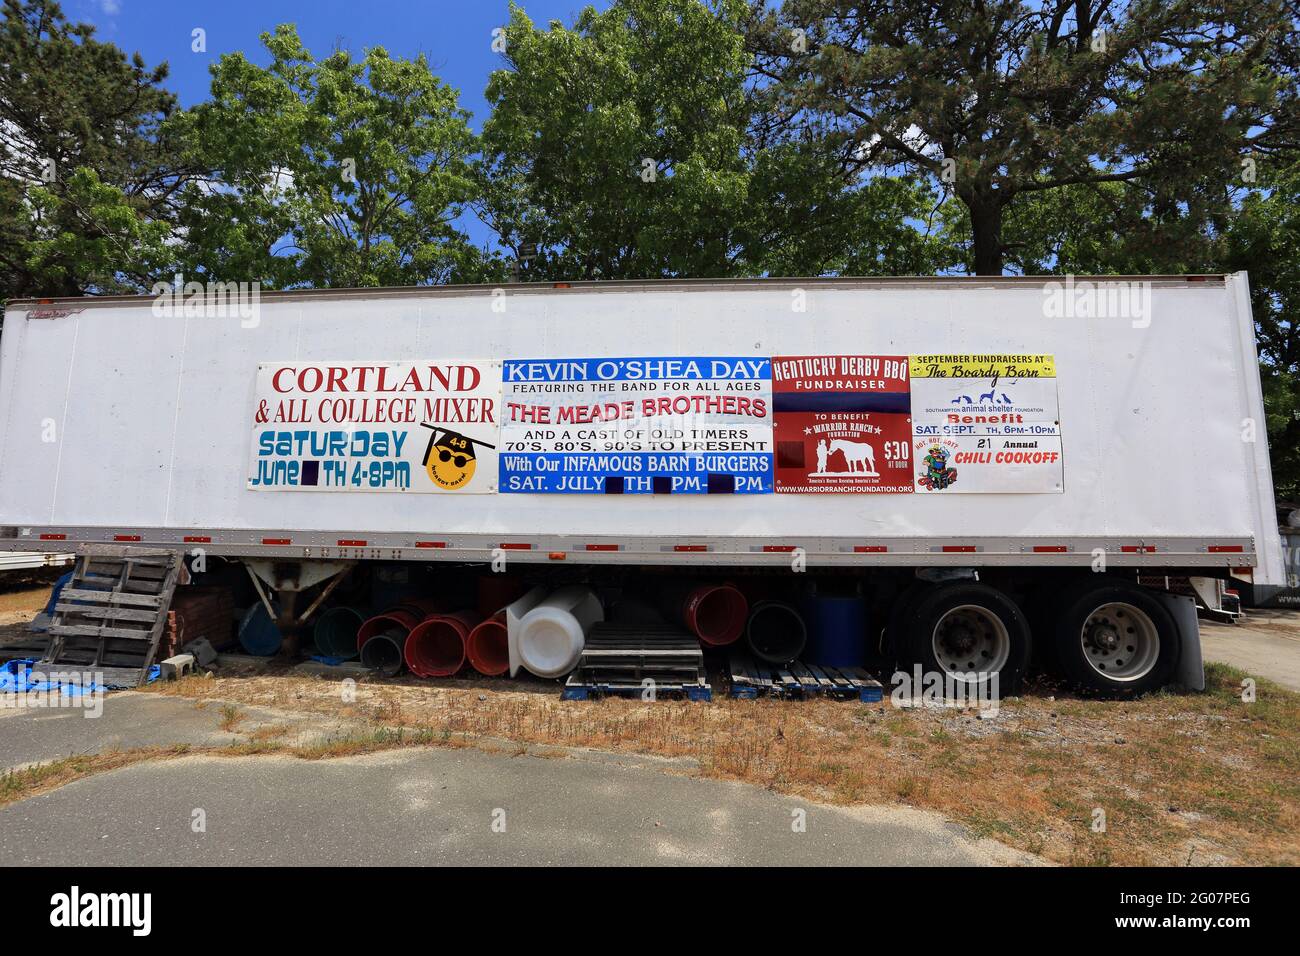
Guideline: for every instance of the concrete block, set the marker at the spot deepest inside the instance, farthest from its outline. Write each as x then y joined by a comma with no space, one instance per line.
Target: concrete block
177,666
204,653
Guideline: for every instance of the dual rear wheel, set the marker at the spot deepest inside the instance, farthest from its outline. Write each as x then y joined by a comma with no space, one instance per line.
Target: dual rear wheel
1106,636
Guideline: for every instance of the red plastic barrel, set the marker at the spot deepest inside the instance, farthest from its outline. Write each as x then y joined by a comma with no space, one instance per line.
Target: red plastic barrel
496,590
402,617
487,648
716,613
436,646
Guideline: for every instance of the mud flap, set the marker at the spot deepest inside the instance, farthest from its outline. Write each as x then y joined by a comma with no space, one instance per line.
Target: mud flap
1190,674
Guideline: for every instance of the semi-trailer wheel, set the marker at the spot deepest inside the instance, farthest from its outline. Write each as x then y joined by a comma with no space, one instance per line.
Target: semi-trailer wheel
1116,639
968,632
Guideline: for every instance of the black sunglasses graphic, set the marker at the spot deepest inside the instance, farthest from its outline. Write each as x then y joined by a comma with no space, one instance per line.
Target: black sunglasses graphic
445,454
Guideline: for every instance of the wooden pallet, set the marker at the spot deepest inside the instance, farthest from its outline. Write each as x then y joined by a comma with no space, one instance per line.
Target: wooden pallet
27,647
111,615
750,679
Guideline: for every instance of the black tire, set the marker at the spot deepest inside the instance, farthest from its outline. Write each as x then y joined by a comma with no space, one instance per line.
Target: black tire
1084,658
933,605
894,644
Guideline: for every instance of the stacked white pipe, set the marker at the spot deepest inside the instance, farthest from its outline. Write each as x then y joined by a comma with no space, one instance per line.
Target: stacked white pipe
546,633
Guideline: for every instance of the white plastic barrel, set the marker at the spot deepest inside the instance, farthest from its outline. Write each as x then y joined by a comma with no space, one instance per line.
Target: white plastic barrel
552,634
514,624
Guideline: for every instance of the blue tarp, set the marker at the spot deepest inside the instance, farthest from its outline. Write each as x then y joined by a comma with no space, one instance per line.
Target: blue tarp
16,678
331,661
56,591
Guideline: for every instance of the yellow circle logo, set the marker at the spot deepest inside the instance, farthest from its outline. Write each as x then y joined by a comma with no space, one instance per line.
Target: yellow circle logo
449,460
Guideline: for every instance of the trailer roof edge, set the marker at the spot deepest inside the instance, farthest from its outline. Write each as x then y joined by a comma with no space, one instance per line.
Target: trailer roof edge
650,285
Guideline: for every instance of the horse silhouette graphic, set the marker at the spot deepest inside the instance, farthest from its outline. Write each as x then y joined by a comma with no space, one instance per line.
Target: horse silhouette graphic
859,456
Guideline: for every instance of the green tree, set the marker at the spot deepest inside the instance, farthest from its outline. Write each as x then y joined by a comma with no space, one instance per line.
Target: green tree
1113,229
87,180
332,172
629,146
1264,239
999,100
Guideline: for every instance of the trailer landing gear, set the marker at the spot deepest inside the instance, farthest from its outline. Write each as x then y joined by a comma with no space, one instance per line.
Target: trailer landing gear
289,579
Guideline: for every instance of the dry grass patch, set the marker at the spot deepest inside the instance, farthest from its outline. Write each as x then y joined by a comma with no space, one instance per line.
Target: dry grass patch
230,717
32,781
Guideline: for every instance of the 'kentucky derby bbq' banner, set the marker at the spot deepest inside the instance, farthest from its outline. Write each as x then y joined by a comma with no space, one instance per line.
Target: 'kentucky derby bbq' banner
842,423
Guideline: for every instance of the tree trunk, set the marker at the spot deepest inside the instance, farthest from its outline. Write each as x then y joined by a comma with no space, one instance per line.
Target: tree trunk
986,231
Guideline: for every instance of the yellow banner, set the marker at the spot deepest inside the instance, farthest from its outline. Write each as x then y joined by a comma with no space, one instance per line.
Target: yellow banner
983,366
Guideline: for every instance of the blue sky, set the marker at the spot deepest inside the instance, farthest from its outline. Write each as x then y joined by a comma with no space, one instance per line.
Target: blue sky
455,36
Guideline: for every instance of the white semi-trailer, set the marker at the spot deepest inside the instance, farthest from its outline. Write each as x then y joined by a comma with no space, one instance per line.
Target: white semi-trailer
999,460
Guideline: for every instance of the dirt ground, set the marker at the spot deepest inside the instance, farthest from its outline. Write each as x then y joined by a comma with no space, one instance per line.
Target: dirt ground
1200,779
19,602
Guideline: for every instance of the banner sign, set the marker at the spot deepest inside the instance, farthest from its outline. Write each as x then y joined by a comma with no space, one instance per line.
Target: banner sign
379,426
986,423
842,424
700,425
797,424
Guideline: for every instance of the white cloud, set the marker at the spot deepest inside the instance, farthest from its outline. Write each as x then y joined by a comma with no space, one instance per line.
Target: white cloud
110,7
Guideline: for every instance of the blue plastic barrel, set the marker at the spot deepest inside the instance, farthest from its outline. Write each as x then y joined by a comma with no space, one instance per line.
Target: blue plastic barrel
837,631
258,634
335,632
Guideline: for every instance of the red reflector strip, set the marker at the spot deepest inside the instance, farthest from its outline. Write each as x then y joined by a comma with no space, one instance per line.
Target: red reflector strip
197,539
1050,549
126,537
352,543
870,549
277,541
1226,549
602,547
958,548
778,548
1138,549
690,547
556,555
515,546
54,537
1243,572
431,544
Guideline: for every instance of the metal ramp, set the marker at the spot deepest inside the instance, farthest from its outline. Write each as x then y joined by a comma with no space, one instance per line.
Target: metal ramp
111,615
623,659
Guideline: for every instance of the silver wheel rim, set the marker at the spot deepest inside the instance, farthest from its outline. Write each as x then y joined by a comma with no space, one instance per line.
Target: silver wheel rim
1120,642
971,638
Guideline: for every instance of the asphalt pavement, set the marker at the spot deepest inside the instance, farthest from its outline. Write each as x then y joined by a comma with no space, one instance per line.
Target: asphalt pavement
418,806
